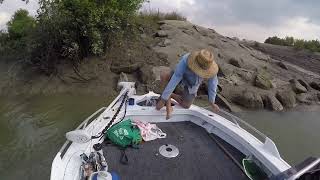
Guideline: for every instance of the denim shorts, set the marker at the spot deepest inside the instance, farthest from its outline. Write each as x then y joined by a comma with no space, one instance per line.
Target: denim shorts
182,90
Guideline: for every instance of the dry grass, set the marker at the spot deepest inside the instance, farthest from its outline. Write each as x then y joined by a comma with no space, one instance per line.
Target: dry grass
158,16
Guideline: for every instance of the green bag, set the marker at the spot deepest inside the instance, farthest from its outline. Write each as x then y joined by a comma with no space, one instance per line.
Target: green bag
124,134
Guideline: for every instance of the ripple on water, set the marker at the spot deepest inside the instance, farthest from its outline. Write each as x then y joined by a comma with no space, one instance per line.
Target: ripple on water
32,131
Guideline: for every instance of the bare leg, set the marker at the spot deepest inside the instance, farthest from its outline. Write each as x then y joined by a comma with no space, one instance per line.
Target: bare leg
169,109
165,76
177,97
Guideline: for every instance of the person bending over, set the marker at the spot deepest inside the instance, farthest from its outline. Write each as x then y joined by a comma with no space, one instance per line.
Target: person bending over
182,84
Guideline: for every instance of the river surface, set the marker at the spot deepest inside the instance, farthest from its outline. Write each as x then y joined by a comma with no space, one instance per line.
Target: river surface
32,131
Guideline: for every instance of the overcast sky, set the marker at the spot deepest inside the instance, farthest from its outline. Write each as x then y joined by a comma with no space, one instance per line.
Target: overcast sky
249,19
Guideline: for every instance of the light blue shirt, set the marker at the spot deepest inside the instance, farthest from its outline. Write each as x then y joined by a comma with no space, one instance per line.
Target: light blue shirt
190,80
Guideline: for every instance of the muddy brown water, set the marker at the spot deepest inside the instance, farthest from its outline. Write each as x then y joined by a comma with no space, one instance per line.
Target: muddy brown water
32,131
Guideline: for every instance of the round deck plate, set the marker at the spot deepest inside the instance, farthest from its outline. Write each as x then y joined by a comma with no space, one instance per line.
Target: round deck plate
169,151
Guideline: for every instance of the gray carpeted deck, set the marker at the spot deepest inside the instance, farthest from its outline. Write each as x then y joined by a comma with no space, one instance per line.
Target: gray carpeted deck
199,158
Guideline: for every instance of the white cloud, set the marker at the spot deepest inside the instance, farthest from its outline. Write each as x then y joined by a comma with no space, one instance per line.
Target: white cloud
227,18
300,27
4,18
8,8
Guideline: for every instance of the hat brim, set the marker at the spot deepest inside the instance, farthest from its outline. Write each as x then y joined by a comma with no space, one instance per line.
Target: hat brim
204,73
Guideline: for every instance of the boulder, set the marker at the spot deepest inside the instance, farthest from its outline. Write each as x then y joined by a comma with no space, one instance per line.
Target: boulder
235,79
236,62
188,32
259,55
126,68
225,70
283,65
220,100
201,30
161,33
263,82
304,98
165,43
246,75
304,84
165,27
155,72
272,103
249,99
287,98
161,22
315,85
297,87
141,29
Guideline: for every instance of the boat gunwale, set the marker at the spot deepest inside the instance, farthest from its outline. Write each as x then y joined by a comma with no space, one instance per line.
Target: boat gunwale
129,87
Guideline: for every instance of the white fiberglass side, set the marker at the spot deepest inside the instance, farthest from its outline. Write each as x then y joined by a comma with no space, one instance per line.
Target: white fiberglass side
68,165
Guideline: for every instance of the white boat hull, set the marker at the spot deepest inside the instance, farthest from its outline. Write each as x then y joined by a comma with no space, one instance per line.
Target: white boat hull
66,164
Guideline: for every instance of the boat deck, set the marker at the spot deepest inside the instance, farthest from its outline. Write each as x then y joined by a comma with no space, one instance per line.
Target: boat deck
199,158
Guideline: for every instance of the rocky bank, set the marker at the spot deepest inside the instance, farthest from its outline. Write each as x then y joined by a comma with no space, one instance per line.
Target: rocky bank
251,76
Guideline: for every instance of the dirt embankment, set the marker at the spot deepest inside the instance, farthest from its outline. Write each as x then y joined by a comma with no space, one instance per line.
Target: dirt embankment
303,58
249,78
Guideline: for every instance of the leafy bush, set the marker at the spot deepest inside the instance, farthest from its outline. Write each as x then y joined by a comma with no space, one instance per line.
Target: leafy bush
20,24
14,43
71,29
312,45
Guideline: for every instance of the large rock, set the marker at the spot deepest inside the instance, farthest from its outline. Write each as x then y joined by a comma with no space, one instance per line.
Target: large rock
283,65
304,83
165,43
246,75
261,56
272,103
263,82
249,99
126,68
297,87
225,70
236,62
304,98
315,85
287,98
235,79
162,33
224,102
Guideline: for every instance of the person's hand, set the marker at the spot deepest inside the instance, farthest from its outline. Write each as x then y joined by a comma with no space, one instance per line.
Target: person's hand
215,107
160,104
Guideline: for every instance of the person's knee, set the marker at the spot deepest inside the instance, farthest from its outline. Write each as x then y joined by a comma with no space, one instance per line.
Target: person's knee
186,105
165,75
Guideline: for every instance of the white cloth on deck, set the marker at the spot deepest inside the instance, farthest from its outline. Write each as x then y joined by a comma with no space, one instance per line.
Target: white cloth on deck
149,131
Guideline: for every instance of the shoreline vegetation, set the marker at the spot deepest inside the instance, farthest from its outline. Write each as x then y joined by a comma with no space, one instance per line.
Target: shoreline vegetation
298,44
85,47
69,31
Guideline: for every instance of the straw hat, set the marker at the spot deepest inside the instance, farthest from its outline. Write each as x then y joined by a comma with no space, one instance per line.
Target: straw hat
202,63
